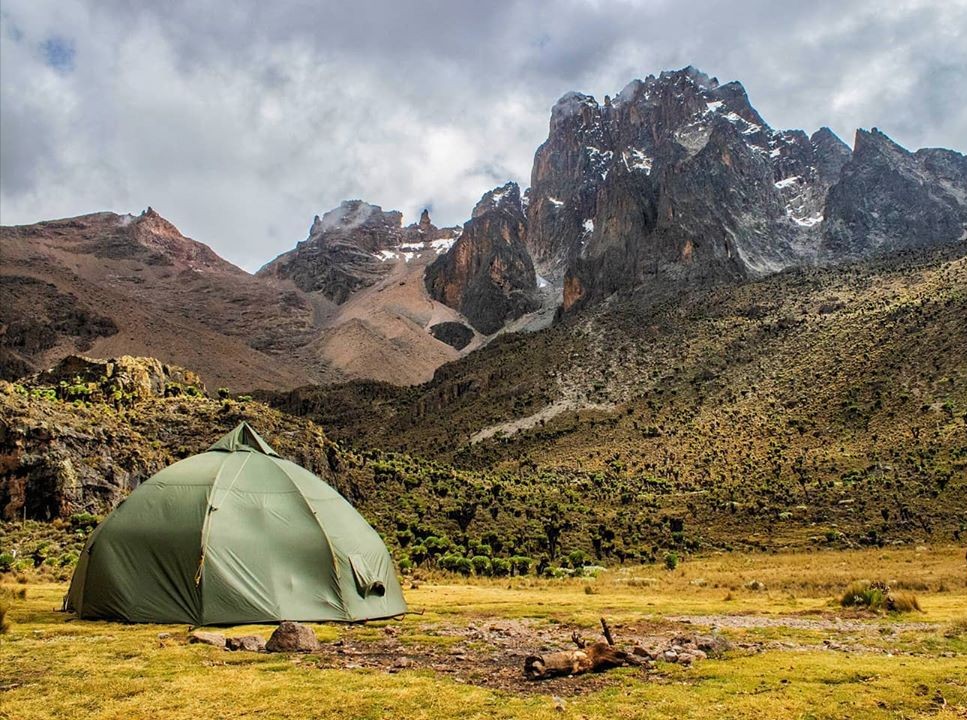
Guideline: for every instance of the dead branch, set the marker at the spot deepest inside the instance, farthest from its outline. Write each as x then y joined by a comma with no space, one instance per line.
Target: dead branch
607,632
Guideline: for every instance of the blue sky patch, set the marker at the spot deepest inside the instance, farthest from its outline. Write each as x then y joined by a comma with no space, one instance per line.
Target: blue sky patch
59,53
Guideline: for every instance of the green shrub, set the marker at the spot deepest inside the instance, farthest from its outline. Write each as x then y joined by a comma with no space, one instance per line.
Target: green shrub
437,546
521,564
456,563
863,593
671,560
84,521
481,565
6,562
418,554
40,553
501,567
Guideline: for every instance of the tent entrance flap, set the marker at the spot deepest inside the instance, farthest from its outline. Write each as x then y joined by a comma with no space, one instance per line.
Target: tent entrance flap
369,580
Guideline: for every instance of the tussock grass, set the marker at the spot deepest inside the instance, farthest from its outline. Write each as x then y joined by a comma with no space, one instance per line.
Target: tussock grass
902,601
7,597
864,594
879,596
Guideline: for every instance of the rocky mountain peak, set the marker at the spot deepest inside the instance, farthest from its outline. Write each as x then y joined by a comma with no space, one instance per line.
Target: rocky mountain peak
488,274
688,74
425,225
358,222
150,221
351,247
679,178
501,199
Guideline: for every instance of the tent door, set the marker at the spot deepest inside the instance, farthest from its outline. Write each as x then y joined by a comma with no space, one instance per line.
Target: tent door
368,579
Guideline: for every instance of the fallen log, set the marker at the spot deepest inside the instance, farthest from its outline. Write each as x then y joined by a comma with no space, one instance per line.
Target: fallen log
592,658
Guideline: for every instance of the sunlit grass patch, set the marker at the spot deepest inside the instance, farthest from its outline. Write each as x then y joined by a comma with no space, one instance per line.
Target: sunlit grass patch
54,666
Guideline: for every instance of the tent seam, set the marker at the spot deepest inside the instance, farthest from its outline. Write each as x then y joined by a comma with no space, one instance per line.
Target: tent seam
332,549
206,526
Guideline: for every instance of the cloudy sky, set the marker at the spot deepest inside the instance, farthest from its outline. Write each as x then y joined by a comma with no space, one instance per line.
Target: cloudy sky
240,121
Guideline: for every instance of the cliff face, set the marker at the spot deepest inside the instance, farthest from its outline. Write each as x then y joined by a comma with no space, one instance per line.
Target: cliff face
488,275
679,179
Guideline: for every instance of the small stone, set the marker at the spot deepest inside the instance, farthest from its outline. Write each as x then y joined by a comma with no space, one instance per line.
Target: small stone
207,638
713,645
670,656
164,635
246,643
403,662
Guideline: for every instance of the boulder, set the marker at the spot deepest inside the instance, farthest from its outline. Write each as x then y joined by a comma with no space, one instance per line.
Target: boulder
292,637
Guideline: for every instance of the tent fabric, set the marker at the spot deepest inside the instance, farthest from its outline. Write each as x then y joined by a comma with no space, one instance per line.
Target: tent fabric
235,535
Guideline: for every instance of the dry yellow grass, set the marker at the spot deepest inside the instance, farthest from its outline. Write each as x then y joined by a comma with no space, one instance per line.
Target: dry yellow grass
52,666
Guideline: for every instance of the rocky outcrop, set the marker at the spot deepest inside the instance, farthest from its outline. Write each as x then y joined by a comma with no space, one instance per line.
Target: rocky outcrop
454,334
36,316
76,445
679,179
125,379
488,275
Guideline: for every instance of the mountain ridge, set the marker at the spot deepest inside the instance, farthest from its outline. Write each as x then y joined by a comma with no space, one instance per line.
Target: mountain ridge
677,182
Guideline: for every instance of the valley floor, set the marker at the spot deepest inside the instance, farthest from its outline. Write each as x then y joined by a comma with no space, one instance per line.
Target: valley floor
795,653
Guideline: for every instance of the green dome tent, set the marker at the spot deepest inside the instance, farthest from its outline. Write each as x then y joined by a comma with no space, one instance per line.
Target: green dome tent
231,536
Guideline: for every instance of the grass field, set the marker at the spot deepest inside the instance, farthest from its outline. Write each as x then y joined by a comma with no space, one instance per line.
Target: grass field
796,653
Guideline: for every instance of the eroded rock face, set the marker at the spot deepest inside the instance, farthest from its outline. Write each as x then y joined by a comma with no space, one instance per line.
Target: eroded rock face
135,417
679,179
339,256
128,378
35,316
488,274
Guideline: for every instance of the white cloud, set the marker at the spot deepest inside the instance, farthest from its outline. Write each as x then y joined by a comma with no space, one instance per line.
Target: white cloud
240,122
